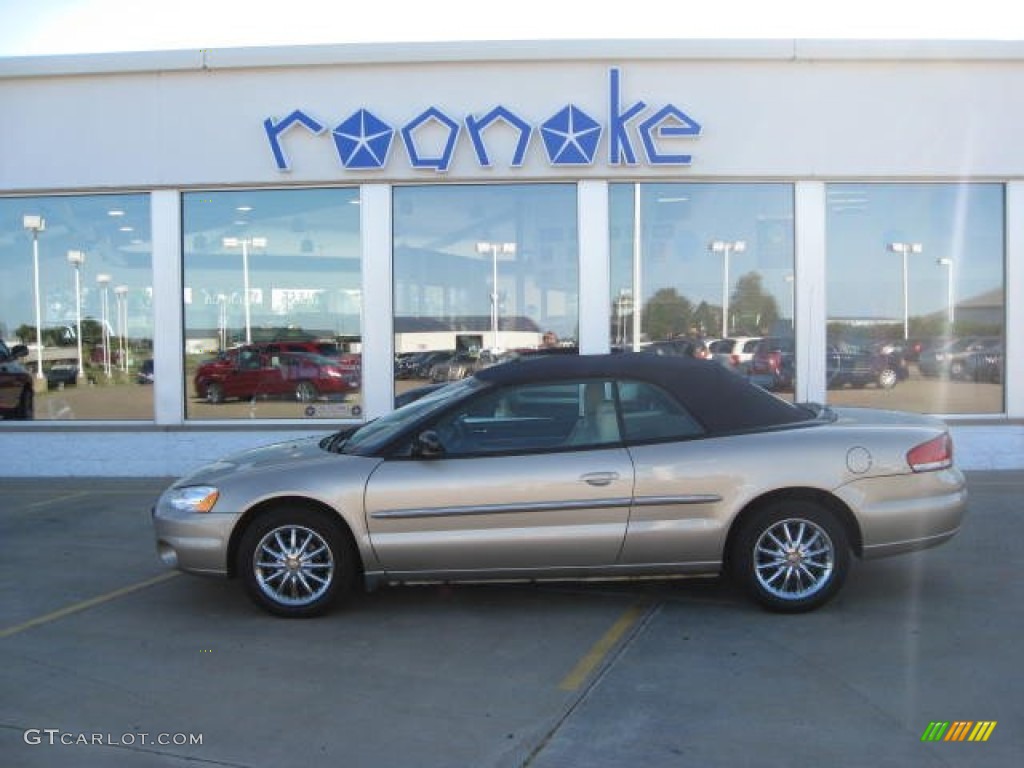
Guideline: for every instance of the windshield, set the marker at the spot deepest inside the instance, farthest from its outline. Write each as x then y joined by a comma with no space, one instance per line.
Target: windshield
374,435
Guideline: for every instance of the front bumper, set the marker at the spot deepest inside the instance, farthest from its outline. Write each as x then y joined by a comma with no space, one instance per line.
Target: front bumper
197,543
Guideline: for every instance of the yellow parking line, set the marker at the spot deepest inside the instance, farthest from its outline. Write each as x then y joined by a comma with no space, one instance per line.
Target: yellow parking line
600,649
57,499
83,605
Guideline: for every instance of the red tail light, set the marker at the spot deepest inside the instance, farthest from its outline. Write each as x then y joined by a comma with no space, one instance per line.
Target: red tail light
735,360
935,454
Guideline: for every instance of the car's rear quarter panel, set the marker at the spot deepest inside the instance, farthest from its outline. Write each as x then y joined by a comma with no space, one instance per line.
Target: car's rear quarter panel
708,483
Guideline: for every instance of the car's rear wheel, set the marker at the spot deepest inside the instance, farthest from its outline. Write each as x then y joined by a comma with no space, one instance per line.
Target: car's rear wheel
25,409
214,393
296,562
791,556
305,392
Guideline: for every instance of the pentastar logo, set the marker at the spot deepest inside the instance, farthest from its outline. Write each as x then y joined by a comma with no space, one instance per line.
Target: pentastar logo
570,137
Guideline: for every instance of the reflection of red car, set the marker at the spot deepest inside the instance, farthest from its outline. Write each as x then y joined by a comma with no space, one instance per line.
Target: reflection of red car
252,371
16,391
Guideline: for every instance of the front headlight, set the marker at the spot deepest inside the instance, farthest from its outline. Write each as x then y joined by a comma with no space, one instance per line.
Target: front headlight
195,498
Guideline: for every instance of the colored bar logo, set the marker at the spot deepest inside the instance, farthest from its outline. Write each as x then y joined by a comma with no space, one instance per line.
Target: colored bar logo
959,730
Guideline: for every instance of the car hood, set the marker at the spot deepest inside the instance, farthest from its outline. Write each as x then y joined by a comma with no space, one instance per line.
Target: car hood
262,459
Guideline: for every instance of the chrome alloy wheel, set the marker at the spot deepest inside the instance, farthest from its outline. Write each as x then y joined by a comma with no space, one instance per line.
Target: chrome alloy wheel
794,559
293,565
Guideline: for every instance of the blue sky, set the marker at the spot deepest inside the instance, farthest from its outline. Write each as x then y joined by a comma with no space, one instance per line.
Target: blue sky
44,27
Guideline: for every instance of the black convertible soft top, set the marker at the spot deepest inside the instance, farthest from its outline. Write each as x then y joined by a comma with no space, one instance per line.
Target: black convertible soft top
720,399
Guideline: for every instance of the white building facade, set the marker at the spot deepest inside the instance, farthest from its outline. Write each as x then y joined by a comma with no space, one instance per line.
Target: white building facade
830,198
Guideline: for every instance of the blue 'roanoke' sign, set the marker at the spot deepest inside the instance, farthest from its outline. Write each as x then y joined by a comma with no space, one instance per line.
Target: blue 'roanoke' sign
569,137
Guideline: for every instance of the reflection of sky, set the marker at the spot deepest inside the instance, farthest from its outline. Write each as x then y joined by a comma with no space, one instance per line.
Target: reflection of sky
307,274
438,271
679,221
114,233
961,222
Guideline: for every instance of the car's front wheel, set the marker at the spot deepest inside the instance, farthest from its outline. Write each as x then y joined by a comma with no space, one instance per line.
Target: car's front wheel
791,556
296,562
887,378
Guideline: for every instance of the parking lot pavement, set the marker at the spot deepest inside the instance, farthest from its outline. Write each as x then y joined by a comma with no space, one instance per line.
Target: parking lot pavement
104,646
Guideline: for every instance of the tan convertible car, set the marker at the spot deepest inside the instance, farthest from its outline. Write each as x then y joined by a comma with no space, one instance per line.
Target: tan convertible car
626,465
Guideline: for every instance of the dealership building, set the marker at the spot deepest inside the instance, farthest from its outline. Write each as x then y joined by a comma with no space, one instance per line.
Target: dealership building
163,213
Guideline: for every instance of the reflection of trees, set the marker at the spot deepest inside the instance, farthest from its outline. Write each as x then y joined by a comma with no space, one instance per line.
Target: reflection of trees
667,314
752,311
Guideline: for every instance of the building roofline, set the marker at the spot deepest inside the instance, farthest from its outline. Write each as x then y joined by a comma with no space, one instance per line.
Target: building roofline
208,59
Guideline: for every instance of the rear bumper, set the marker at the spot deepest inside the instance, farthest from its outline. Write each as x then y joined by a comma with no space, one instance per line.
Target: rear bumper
907,512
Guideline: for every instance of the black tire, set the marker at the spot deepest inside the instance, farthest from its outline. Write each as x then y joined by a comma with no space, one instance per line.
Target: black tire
791,556
305,392
308,561
25,410
214,393
26,405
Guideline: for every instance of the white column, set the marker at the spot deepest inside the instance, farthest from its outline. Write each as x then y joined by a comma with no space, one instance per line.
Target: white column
594,267
1013,354
168,309
378,300
809,290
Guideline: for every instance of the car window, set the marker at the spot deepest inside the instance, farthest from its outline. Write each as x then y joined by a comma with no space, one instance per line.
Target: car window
650,414
530,418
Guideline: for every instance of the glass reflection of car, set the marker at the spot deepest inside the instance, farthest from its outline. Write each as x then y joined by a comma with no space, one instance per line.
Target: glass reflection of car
60,375
568,467
982,362
464,364
145,374
943,358
251,372
420,366
773,364
17,396
964,364
735,353
857,365
679,347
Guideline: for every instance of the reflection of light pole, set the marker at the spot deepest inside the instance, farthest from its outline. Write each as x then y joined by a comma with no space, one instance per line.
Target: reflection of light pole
726,247
246,243
121,296
904,249
624,306
36,224
948,264
76,259
222,320
104,281
791,279
493,249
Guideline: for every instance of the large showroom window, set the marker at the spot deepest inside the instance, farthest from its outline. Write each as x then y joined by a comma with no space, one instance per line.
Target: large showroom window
273,303
712,267
481,273
916,296
76,307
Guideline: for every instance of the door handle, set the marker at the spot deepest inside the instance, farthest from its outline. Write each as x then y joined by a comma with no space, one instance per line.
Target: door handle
599,478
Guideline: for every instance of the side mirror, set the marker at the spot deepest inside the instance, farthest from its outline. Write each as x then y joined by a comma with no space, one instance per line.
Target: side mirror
19,350
427,445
